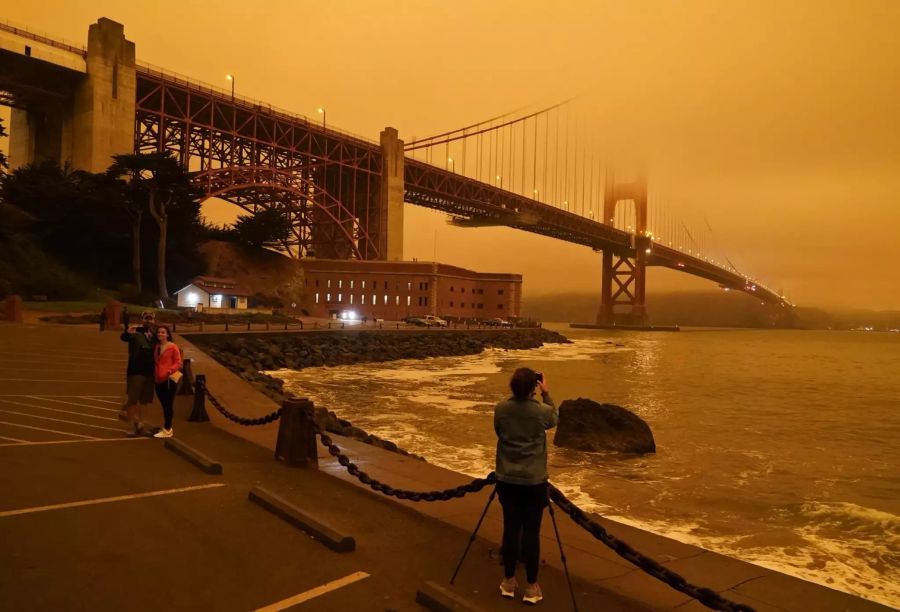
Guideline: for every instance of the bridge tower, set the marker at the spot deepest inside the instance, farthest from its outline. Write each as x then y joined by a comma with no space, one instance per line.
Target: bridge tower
82,119
389,210
623,275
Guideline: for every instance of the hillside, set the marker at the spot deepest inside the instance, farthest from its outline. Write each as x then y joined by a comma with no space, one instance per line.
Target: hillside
274,279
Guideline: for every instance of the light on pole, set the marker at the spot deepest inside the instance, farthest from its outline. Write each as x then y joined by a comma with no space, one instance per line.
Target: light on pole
321,109
230,77
450,165
499,181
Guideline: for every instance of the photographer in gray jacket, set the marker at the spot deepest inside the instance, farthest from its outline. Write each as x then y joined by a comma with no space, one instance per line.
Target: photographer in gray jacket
521,423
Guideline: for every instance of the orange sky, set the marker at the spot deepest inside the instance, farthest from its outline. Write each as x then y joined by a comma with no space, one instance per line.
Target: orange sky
778,122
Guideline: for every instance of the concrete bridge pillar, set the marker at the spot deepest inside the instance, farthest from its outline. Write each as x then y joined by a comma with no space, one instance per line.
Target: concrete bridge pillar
390,200
103,105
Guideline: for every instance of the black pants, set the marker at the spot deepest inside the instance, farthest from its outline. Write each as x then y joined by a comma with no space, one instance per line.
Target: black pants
165,391
523,509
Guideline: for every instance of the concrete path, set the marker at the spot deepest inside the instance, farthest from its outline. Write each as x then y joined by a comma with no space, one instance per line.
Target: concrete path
91,519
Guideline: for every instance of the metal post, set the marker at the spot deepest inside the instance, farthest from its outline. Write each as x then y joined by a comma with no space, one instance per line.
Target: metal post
296,444
187,380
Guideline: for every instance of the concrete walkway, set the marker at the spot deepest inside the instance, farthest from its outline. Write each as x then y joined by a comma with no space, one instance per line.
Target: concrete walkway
91,519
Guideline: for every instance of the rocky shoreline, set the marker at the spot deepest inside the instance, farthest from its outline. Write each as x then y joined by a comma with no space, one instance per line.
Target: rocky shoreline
248,354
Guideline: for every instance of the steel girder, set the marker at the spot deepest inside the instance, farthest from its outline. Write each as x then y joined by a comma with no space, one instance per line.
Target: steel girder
257,157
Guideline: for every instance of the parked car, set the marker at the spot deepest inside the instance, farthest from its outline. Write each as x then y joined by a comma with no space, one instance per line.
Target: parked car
417,321
433,321
498,322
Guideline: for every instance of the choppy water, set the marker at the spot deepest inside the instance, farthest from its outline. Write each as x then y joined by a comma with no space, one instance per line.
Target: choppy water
781,448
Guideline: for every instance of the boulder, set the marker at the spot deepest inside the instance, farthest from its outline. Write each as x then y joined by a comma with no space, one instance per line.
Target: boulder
588,426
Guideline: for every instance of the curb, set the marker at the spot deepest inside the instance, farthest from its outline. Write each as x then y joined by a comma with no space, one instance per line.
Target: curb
297,517
434,597
194,456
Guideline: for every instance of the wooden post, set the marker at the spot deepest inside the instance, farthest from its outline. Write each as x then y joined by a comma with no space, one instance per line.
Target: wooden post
226,325
14,309
296,444
113,315
198,415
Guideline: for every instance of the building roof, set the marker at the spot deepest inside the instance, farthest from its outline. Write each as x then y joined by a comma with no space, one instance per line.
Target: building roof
217,285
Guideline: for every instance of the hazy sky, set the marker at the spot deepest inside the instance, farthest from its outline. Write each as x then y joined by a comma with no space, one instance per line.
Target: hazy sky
779,122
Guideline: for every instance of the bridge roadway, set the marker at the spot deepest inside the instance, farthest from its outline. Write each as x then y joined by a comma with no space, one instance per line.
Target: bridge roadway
90,519
469,201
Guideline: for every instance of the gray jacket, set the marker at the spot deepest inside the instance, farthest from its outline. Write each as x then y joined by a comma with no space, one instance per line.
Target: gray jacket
522,439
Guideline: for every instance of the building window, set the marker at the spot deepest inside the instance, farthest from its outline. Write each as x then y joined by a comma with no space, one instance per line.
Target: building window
426,301
462,304
351,284
340,298
451,288
329,283
374,298
499,291
480,306
351,298
409,286
408,300
327,297
317,282
463,289
451,304
385,299
317,298
362,298
363,284
499,306
340,284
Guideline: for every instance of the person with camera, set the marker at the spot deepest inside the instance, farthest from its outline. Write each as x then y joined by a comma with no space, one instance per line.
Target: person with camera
139,375
521,423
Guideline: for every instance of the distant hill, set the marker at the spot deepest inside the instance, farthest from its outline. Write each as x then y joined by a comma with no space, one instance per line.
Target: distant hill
707,309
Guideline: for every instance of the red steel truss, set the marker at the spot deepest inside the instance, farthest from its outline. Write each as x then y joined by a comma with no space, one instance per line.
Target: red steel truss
326,182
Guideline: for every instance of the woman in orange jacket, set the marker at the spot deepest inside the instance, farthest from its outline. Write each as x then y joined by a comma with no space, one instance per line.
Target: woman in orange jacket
167,357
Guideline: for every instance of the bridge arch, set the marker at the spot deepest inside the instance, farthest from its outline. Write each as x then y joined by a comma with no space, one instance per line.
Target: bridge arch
322,225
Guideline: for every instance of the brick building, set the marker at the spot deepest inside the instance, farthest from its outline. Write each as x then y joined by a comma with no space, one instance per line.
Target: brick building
395,290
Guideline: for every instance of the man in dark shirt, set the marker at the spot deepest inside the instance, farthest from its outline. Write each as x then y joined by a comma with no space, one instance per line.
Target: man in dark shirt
139,375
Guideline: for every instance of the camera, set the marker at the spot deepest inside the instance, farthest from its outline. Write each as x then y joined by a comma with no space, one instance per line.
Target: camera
539,376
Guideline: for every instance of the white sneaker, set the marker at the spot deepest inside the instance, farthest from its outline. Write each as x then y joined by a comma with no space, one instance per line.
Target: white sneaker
164,433
508,587
532,594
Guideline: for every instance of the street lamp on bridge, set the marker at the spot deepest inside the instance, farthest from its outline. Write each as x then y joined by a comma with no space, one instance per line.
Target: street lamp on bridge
499,180
450,165
230,77
321,109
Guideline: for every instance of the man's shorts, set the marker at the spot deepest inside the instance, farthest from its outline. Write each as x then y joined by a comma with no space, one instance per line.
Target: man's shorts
139,389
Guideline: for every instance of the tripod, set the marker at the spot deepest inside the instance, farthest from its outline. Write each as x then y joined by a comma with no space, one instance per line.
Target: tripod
555,530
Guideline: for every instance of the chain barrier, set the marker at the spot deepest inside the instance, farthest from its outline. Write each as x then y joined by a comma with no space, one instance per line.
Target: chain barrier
263,420
706,596
416,496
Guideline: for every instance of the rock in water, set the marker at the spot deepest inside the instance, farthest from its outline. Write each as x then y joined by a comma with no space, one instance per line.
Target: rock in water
586,425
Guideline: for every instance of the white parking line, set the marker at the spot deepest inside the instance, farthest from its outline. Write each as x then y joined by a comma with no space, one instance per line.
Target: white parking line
65,433
80,424
310,594
50,399
46,442
106,500
93,397
55,380
90,416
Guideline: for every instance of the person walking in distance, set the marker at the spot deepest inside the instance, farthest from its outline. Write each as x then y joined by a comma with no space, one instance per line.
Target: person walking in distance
139,375
167,358
521,423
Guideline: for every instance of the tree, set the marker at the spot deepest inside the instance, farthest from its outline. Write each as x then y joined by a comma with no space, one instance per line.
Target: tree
270,227
159,181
